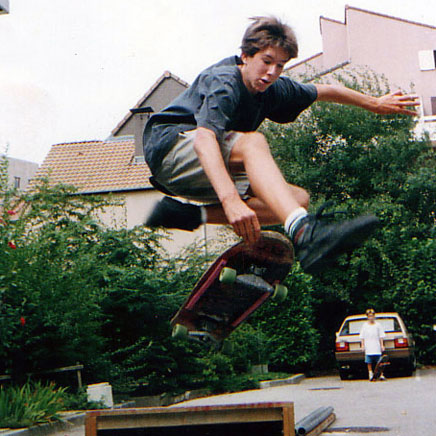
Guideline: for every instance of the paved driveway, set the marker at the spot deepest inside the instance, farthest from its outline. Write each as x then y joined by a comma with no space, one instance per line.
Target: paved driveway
404,406
397,407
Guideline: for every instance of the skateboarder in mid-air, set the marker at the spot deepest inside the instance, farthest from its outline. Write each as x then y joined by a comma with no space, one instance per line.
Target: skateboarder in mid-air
204,147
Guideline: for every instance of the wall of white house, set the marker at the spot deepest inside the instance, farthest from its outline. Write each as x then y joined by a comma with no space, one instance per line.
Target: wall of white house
20,172
136,205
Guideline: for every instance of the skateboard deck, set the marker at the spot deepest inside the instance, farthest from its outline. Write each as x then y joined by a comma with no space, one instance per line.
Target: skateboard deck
379,367
233,287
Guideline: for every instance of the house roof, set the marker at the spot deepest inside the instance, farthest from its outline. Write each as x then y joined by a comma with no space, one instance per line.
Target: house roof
142,101
347,7
297,64
96,167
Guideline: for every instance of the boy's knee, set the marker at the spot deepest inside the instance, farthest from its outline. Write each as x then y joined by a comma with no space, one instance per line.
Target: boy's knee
258,139
247,145
253,139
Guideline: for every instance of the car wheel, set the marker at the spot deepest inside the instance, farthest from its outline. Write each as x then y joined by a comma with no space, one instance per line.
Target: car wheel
411,366
343,374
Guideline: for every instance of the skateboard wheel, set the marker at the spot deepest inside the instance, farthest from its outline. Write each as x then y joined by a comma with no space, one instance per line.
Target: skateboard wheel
280,293
228,276
180,331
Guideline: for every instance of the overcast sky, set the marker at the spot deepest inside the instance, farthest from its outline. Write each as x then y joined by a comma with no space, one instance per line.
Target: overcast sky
70,70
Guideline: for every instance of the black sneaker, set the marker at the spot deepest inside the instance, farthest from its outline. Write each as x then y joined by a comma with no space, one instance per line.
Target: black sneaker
318,241
174,214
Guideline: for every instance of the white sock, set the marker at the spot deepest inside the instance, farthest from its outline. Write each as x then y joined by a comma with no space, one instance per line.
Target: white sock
293,219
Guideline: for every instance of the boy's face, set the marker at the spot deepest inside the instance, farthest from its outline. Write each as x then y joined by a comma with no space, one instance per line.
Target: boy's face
371,318
260,71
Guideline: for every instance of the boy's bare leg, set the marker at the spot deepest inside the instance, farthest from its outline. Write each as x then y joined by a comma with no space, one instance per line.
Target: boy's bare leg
274,198
316,240
266,180
370,371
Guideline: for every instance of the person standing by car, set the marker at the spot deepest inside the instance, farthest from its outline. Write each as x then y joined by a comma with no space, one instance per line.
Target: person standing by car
371,335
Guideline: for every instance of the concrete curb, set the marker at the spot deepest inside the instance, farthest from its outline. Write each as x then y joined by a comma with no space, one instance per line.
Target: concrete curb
295,379
166,399
46,429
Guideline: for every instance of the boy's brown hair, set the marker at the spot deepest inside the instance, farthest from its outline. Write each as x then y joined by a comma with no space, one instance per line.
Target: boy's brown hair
370,312
267,32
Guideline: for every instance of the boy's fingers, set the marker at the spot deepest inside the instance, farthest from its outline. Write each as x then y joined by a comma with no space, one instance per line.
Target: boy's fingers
253,230
250,230
244,222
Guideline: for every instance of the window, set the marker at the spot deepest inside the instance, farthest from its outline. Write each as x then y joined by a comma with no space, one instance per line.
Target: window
427,60
389,324
17,182
433,105
353,327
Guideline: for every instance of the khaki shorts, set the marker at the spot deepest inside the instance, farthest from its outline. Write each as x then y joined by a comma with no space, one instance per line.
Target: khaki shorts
182,174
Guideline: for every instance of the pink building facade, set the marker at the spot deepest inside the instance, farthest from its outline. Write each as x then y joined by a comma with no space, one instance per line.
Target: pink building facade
403,51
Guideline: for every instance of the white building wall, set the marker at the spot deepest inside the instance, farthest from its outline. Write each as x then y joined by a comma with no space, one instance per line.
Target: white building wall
21,172
136,205
387,45
334,43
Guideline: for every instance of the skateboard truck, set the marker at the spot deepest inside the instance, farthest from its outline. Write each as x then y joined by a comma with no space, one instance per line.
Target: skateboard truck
201,336
253,282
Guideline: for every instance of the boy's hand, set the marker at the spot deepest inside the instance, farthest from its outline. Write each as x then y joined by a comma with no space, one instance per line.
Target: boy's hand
396,103
393,103
242,218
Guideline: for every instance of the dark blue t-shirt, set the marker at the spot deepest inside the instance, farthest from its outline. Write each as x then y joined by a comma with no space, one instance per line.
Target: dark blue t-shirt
219,100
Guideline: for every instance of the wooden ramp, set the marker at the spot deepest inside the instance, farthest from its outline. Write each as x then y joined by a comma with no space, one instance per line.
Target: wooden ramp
272,419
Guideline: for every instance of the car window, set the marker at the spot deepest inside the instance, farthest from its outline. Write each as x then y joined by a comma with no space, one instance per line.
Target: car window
353,327
389,324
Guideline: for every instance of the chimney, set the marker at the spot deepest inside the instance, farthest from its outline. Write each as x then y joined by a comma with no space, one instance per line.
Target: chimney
140,117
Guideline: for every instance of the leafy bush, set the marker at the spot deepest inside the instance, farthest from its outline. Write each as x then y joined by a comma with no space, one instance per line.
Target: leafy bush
292,339
30,404
79,401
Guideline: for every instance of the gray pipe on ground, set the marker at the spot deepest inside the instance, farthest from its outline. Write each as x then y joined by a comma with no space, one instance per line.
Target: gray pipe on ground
315,418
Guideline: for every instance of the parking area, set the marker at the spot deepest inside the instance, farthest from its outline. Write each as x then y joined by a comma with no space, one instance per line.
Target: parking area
400,406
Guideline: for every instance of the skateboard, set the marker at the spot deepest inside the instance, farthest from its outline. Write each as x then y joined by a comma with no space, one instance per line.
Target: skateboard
379,367
233,287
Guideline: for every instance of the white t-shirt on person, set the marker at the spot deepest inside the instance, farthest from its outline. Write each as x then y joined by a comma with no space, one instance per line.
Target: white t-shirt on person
371,334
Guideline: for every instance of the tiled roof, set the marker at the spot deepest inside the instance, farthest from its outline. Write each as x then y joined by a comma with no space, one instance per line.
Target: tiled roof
96,166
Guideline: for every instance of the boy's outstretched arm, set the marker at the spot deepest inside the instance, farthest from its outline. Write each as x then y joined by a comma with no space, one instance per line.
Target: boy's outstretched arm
393,103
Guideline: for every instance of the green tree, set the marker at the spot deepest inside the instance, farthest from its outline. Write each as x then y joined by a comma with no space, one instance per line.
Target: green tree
292,340
368,163
55,276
